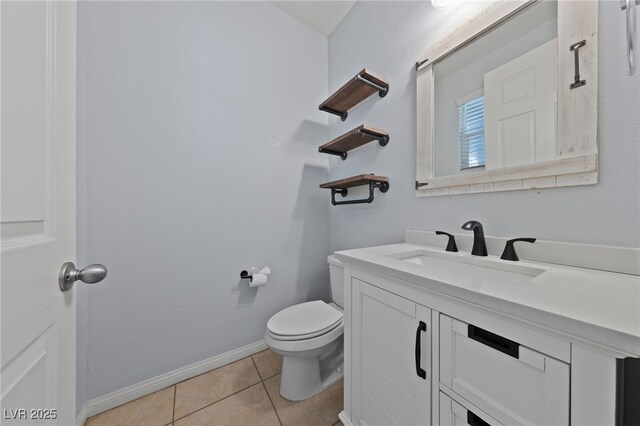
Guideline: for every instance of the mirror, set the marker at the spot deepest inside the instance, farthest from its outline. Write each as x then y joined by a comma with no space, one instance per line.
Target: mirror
495,98
509,101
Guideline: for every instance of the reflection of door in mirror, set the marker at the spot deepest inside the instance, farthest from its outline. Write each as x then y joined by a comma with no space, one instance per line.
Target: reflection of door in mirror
520,109
495,102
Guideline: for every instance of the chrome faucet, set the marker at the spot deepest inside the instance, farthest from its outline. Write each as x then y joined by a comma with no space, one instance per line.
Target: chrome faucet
479,245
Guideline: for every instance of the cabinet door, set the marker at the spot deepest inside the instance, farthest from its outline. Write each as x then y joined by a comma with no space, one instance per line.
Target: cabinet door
391,363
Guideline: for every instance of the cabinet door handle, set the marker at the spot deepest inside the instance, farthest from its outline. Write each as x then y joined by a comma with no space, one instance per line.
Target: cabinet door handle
422,326
473,420
494,341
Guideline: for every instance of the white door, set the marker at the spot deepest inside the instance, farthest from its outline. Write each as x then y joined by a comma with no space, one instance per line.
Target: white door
392,358
37,320
520,109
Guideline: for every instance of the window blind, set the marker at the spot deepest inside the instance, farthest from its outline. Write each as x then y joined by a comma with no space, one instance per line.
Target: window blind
471,133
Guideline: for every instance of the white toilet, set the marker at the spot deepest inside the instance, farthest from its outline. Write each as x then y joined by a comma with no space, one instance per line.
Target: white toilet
309,338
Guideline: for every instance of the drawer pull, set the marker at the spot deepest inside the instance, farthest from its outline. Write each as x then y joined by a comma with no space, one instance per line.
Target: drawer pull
474,420
422,326
494,341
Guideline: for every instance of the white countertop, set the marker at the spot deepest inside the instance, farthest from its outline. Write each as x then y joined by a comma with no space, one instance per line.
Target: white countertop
597,306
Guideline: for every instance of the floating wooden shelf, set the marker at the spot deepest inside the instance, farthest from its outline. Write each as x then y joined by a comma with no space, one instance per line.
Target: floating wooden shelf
340,187
353,139
363,85
352,181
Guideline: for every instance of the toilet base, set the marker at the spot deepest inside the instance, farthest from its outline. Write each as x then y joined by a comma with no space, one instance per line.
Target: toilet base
308,374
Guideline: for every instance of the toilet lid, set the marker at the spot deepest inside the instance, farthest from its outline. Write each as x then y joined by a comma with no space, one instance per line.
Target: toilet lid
304,319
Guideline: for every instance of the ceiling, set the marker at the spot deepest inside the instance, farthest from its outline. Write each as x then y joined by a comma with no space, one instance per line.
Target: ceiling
322,16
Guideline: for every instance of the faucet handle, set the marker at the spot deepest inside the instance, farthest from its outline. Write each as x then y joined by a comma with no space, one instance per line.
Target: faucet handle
509,252
451,245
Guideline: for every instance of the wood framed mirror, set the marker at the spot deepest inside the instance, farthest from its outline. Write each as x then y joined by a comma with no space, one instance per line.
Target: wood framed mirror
509,101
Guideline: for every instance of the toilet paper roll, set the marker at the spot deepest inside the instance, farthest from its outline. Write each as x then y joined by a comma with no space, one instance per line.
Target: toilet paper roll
266,270
258,280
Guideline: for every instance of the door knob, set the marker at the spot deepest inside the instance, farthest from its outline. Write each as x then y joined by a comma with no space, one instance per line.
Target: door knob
88,275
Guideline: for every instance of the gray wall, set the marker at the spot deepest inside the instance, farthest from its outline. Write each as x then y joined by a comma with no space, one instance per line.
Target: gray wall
389,37
197,158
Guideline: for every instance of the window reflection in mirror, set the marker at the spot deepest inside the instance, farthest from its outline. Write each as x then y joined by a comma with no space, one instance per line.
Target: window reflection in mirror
495,98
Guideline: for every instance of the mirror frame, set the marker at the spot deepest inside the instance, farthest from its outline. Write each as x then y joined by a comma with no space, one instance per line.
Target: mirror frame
576,160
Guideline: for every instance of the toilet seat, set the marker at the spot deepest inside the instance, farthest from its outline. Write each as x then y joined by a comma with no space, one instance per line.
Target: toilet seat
305,336
304,321
302,345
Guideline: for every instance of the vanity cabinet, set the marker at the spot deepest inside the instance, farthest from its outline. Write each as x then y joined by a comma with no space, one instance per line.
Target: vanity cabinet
391,358
486,372
416,357
441,338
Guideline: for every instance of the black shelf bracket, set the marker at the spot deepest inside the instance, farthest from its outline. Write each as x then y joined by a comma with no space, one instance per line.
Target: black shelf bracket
382,139
342,115
342,155
382,186
382,91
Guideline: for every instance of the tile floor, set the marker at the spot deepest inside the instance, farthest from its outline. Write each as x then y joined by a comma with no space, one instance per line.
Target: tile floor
245,392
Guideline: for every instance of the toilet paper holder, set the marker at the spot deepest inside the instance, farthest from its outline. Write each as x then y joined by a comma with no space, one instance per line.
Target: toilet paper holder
257,277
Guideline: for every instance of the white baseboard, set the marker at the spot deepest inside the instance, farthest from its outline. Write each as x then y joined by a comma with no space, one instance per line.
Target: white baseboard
344,419
82,416
128,394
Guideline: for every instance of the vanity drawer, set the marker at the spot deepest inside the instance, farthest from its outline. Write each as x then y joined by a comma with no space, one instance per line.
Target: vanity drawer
511,382
453,413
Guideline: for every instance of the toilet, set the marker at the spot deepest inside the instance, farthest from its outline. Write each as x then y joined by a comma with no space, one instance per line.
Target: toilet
309,338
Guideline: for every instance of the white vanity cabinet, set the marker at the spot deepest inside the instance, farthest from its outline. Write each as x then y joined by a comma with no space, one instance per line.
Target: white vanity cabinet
390,367
414,356
506,373
447,338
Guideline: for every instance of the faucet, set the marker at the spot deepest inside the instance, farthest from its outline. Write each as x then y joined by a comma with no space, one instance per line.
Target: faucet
479,245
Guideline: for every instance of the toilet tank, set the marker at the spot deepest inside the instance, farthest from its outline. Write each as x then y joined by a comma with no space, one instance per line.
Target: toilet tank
336,275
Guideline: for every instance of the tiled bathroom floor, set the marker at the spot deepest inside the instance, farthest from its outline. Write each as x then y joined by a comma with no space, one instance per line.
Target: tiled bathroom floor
245,392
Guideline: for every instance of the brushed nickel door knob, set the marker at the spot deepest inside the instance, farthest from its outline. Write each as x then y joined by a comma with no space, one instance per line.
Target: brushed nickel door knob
91,274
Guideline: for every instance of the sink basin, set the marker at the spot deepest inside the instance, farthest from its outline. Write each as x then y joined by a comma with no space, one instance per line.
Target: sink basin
464,268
